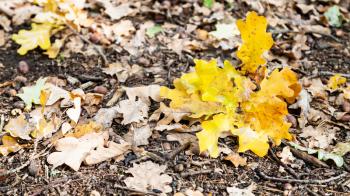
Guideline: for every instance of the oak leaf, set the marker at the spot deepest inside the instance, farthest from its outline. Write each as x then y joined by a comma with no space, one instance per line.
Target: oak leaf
255,41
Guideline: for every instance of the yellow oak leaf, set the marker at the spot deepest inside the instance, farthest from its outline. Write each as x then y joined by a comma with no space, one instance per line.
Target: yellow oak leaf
336,81
255,41
53,51
33,93
208,137
9,144
39,35
252,140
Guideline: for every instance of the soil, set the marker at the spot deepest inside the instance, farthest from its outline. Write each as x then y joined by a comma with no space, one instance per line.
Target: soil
106,178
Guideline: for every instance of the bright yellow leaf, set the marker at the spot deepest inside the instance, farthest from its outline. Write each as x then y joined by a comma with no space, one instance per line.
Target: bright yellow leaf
336,81
39,35
9,144
252,140
255,41
53,51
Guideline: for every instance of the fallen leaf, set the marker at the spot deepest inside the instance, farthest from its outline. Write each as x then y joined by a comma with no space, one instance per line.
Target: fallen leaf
56,93
342,148
105,116
32,94
74,113
286,156
104,153
39,35
144,93
133,111
19,127
317,89
236,159
225,31
334,16
148,176
9,145
336,81
320,137
138,136
73,151
253,31
234,191
153,31
53,51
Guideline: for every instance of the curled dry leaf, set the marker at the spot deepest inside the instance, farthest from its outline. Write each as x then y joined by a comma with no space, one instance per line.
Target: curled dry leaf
133,111
104,153
19,127
286,156
148,176
74,113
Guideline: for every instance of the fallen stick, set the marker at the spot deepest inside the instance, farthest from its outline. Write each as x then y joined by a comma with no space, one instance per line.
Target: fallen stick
309,181
308,158
172,155
192,173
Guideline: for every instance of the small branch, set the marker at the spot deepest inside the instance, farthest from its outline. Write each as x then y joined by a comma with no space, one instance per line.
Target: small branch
289,170
328,73
155,157
192,173
133,190
309,181
172,155
316,32
15,170
308,158
97,48
2,123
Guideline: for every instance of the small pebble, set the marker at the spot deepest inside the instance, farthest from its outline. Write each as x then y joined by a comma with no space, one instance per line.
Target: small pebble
288,186
113,81
23,67
101,89
34,168
95,38
339,33
179,167
20,79
346,106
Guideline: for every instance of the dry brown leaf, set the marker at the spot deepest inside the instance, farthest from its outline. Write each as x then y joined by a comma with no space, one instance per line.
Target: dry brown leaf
236,159
104,153
286,156
148,176
9,145
317,89
319,137
73,151
19,127
138,136
144,93
133,111
105,116
74,113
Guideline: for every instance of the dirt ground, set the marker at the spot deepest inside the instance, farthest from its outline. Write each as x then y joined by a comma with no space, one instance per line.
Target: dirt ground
207,175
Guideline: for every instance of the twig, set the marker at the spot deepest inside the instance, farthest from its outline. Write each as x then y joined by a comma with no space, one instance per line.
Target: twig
192,173
2,123
328,73
172,155
309,181
289,170
308,158
155,157
98,49
133,190
316,32
15,170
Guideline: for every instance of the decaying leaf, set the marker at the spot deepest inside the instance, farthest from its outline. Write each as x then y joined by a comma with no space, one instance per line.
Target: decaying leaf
133,111
73,151
148,176
32,94
19,127
138,136
9,145
104,153
334,16
234,191
74,113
